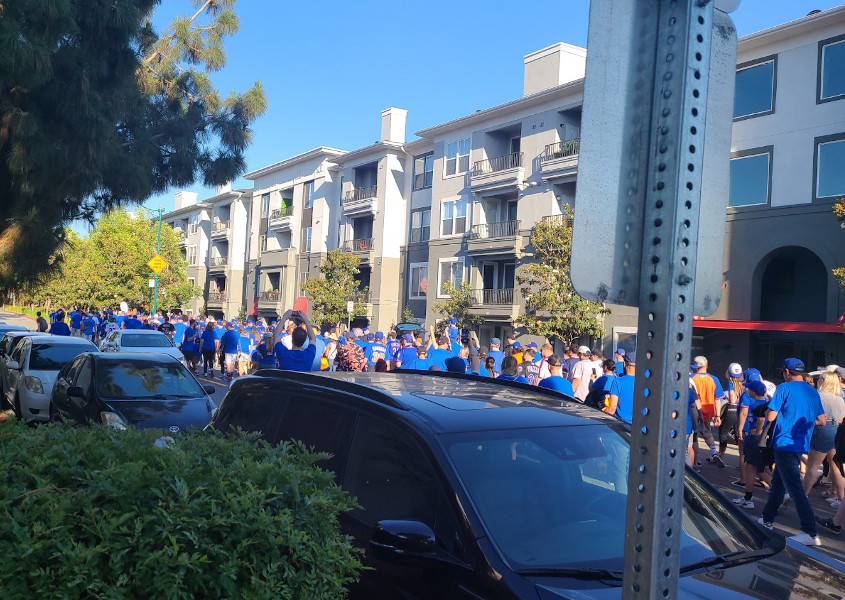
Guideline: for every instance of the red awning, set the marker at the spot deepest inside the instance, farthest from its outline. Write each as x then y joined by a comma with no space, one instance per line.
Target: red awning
699,323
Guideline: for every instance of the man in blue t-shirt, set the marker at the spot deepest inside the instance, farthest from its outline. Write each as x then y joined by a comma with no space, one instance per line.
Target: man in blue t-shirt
407,353
297,358
375,350
59,327
421,362
556,381
620,402
393,346
132,322
230,342
441,352
88,327
496,354
794,410
76,323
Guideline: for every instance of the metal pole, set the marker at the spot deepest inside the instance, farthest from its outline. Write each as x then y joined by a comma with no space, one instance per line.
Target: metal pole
158,250
670,233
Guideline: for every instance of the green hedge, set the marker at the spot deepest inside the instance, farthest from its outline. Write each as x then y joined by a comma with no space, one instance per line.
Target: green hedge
100,513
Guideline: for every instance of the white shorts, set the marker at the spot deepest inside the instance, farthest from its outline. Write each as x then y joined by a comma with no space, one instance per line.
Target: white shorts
231,359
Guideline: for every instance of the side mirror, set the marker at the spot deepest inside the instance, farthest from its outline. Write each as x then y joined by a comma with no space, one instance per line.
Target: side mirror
209,389
13,365
75,392
395,539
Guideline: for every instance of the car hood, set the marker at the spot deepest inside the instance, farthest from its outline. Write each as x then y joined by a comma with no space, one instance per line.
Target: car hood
180,413
792,573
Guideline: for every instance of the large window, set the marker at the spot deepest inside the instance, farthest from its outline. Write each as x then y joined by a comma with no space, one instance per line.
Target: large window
308,194
451,271
457,157
419,281
265,206
830,160
831,79
751,172
755,88
421,225
306,239
454,217
192,255
423,171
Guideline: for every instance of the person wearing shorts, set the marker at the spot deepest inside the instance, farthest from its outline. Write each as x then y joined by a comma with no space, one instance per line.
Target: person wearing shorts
229,346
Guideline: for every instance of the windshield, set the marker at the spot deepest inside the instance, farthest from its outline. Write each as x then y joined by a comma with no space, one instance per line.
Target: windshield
556,498
46,357
133,340
132,380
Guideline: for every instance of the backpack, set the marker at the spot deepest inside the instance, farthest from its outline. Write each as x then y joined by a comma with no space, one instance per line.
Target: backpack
596,399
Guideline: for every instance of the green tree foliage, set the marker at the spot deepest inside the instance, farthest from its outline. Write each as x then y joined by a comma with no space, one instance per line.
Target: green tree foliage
461,299
98,110
329,293
553,309
408,315
110,265
839,211
101,513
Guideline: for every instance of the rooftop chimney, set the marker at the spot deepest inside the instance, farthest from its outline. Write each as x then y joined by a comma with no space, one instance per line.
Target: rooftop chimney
393,125
553,66
226,187
184,199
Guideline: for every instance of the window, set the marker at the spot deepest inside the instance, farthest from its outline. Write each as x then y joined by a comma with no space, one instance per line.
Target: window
192,281
457,157
306,239
325,426
308,195
831,78
262,243
829,160
451,271
421,225
454,218
192,255
303,277
423,171
419,281
751,172
265,206
755,88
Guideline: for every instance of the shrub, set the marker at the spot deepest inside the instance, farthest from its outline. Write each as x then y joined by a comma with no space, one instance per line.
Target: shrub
100,513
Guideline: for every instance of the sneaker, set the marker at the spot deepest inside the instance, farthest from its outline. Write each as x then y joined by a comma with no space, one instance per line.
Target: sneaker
743,502
836,503
717,460
738,483
831,499
831,527
806,539
766,524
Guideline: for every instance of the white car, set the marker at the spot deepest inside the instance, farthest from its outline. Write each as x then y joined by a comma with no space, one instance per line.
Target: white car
140,340
32,370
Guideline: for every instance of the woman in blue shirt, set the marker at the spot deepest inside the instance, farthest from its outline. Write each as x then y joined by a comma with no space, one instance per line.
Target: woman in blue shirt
208,345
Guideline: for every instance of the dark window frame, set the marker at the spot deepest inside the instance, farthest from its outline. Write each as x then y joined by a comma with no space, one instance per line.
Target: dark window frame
817,142
427,174
770,150
773,58
822,44
421,228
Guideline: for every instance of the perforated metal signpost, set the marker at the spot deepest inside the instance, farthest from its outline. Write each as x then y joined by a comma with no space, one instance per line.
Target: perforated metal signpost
642,157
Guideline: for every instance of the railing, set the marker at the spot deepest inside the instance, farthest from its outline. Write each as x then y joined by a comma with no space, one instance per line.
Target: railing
500,163
555,219
503,296
278,213
362,296
270,296
360,245
216,296
183,235
562,149
219,261
360,194
494,230
220,225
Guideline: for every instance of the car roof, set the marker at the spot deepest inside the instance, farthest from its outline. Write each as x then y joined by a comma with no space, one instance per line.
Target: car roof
59,340
141,331
139,356
451,402
6,327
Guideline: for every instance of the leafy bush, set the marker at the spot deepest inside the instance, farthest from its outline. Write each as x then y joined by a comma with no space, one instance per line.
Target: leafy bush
100,513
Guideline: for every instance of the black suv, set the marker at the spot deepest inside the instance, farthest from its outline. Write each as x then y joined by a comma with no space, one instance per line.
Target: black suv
472,488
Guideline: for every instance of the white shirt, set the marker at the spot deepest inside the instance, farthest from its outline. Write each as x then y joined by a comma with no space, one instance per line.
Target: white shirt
582,371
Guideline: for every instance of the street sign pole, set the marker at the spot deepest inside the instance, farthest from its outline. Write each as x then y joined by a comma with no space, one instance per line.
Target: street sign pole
158,253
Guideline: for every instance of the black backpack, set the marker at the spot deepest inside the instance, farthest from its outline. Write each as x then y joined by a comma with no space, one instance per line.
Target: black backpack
596,398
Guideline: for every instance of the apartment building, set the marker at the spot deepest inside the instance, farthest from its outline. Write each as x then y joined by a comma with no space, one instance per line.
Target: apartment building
190,220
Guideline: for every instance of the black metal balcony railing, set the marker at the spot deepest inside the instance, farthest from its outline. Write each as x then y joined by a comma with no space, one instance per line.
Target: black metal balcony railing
219,261
362,296
494,230
278,213
562,149
220,225
360,245
363,193
500,163
270,296
554,219
216,296
495,297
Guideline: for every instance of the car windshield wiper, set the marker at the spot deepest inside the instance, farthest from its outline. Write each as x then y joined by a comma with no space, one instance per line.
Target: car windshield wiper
587,573
731,559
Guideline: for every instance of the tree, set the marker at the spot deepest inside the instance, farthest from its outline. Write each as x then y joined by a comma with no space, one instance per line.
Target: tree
97,111
110,265
839,211
329,293
458,306
553,309
408,315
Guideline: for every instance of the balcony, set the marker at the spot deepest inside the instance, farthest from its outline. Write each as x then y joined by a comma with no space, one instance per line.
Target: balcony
281,219
218,262
363,296
498,175
183,236
360,201
220,229
495,238
494,303
271,301
285,257
216,298
560,161
363,248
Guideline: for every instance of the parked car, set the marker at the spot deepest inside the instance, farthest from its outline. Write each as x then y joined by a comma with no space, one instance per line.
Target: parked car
6,327
8,343
32,372
140,340
471,488
139,389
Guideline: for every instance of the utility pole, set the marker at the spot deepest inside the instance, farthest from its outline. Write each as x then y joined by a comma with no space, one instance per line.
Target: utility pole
160,210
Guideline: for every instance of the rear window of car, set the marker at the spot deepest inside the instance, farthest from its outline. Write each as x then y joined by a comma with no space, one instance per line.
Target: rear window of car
145,341
46,357
130,380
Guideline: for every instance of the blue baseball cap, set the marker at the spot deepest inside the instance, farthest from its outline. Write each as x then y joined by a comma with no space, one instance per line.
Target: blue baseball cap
516,345
456,364
532,345
758,387
379,335
408,338
453,321
750,375
370,337
794,365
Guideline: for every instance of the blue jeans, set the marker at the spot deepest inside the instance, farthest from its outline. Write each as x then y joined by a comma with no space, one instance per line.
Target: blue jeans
787,478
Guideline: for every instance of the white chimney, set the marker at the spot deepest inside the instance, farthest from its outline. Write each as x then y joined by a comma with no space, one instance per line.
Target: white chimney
184,199
226,187
553,66
393,125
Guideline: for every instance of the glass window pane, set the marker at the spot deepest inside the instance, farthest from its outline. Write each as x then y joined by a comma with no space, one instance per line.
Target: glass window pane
749,180
426,217
448,210
429,176
464,146
833,70
463,164
419,164
460,224
415,220
754,89
831,175
445,270
451,165
461,209
429,162
451,150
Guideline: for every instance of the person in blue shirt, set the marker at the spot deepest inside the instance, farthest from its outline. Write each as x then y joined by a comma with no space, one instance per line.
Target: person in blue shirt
556,381
132,322
496,354
407,353
179,328
189,334
795,409
230,342
620,402
60,327
441,352
750,465
208,347
619,356
75,323
393,346
297,358
262,356
244,351
510,370
421,362
600,388
375,350
88,327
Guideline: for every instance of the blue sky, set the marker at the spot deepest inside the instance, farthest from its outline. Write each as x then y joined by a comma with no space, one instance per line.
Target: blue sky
330,68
